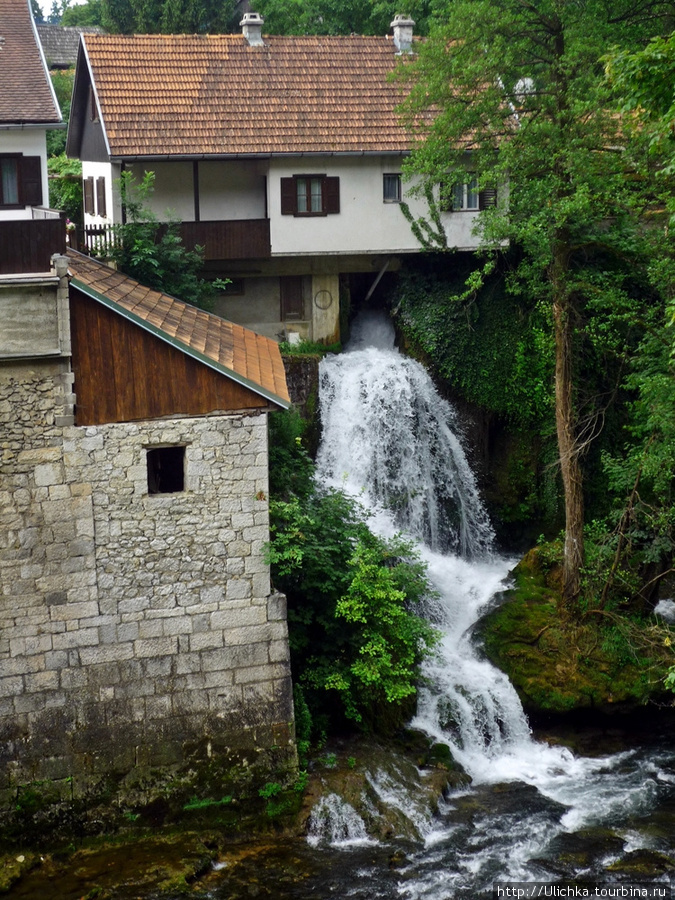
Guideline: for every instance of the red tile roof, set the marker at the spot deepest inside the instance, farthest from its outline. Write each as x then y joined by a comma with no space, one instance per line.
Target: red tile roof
25,91
214,94
236,352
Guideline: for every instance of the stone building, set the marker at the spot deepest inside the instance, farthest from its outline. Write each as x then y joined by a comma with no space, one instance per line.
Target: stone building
140,642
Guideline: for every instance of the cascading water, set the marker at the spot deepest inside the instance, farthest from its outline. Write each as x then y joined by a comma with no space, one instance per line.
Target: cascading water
391,440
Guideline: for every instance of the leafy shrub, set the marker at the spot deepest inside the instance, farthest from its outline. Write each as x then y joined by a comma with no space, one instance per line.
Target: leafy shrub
153,253
356,643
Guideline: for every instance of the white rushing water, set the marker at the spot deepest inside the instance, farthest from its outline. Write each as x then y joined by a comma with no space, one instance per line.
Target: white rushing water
391,440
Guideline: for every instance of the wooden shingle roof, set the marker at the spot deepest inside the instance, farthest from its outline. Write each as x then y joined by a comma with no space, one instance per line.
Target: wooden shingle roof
26,96
216,95
60,43
238,353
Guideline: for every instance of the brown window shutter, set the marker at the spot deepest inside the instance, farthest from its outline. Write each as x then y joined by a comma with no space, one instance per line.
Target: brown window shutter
88,185
331,194
288,197
100,197
487,198
31,181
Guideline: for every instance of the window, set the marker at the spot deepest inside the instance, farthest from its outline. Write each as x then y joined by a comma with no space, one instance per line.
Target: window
20,181
391,188
166,470
10,181
93,107
310,195
290,290
465,196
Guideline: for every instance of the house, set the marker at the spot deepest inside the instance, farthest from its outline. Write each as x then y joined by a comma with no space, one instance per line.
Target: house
28,108
140,636
282,156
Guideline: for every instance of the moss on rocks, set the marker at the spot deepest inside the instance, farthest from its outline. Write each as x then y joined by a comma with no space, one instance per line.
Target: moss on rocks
562,666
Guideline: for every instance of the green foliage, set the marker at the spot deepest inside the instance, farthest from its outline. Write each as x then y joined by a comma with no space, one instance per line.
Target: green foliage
65,186
309,348
494,348
152,251
206,803
62,81
291,468
342,16
352,631
169,16
89,13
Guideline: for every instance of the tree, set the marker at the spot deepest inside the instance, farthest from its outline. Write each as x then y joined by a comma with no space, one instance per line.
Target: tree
89,13
341,16
169,16
518,98
36,10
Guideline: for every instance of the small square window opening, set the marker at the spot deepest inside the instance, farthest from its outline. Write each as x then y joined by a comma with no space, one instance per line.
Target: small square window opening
166,470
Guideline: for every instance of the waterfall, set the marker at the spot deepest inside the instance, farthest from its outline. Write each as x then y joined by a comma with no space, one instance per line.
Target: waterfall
390,439
389,434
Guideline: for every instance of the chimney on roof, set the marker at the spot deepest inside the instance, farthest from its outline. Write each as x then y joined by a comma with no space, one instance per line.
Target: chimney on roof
403,33
251,25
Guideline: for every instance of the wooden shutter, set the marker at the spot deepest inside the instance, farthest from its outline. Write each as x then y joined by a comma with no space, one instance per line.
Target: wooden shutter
88,185
331,194
100,197
487,198
292,306
288,197
31,181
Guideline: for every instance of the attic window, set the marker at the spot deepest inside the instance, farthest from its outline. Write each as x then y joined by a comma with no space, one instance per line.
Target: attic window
166,470
93,108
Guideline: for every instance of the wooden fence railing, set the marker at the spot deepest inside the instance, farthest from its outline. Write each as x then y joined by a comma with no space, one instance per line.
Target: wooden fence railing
27,245
233,239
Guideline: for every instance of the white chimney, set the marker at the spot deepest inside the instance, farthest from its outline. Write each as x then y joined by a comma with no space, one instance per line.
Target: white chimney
251,25
403,33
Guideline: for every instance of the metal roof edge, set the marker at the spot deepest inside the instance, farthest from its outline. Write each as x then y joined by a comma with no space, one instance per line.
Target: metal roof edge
179,345
269,154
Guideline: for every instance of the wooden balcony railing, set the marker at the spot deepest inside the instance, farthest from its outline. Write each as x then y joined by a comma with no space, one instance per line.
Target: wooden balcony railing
233,239
27,245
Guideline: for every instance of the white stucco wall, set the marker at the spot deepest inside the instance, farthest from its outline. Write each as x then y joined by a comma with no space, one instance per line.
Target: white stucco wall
29,142
365,223
111,173
232,190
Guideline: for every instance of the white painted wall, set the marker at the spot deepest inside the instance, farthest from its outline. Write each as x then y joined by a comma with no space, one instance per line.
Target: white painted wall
173,196
232,190
111,173
29,142
365,223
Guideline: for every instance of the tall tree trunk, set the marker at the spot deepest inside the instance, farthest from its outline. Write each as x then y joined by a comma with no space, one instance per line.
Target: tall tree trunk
565,418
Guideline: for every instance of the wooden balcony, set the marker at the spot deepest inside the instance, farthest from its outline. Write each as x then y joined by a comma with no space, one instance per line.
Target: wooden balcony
233,239
27,245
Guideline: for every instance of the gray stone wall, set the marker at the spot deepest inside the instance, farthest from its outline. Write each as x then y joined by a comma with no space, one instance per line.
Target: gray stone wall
137,630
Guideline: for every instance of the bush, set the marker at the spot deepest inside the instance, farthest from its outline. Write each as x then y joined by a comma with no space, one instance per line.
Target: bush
356,643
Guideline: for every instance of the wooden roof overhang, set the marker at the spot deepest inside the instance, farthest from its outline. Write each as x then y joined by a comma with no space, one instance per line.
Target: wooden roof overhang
281,402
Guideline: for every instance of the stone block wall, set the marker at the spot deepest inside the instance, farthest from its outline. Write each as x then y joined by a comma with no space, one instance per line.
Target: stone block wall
137,630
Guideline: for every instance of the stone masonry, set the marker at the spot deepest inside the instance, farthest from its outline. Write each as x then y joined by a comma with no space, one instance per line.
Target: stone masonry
137,630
